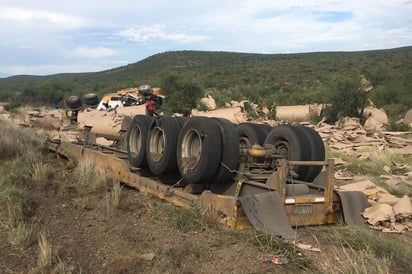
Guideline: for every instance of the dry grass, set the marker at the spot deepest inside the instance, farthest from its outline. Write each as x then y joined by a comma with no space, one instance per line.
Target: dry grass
280,248
17,141
41,173
21,235
17,203
375,166
377,160
116,193
87,175
46,255
358,250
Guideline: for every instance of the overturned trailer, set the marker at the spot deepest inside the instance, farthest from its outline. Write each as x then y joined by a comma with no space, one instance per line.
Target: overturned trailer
246,175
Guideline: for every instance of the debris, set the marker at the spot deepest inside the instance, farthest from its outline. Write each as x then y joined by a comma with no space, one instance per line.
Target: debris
408,117
44,119
275,260
306,247
108,122
147,256
403,209
379,213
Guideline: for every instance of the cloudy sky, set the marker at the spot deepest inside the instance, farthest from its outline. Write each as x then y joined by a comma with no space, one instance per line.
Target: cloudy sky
49,36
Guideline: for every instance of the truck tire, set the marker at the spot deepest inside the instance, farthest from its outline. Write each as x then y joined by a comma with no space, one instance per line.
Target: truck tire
317,151
91,99
161,145
199,150
266,128
292,144
181,120
230,151
250,134
74,102
136,140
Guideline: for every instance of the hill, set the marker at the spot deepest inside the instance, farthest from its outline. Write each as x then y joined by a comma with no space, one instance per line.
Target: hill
279,78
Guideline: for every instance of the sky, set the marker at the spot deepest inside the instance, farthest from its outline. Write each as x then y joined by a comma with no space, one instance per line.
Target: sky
45,37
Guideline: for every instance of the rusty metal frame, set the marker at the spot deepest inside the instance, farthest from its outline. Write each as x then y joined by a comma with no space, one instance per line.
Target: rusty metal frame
225,209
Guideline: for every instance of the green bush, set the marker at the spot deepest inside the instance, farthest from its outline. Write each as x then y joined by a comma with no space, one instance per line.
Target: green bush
398,126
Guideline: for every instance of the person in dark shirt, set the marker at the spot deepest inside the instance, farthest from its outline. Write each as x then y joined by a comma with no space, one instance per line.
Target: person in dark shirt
187,111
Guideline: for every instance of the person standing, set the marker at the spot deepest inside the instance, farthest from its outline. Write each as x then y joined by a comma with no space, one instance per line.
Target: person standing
149,107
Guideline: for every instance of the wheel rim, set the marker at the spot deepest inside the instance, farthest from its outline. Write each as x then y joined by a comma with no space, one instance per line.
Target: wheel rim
244,142
157,144
283,148
135,140
191,150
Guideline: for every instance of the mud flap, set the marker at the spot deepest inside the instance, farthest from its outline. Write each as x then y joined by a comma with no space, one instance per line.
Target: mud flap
353,204
266,212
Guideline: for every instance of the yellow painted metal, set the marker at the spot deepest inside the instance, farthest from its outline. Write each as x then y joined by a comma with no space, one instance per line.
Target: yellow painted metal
223,208
304,200
257,152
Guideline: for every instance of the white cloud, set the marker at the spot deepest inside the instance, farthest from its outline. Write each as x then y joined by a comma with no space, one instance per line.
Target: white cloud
55,32
51,69
97,52
148,33
17,15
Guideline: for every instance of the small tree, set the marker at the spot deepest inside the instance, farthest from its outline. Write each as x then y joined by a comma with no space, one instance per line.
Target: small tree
346,98
181,92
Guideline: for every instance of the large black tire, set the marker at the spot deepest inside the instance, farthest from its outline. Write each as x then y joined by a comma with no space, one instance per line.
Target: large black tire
181,120
250,134
266,129
145,90
199,150
136,140
292,144
230,151
91,99
161,145
317,151
74,102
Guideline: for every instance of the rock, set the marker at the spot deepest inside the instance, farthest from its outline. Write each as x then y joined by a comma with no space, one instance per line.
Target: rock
209,102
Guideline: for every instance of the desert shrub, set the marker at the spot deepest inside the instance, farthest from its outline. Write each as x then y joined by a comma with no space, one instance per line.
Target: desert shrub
346,98
17,171
16,204
398,126
21,235
17,141
42,174
182,92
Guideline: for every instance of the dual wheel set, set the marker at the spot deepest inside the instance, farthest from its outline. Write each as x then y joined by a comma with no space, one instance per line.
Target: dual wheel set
204,150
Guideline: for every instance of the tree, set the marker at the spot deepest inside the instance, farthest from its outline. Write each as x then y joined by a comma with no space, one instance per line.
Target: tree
181,92
346,98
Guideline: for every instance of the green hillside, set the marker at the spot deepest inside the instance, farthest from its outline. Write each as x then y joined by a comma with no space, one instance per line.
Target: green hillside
280,79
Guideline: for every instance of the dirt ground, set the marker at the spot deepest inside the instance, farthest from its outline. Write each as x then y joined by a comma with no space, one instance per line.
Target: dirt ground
88,235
